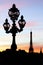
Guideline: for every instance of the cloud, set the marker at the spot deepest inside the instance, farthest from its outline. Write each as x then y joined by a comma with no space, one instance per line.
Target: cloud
4,7
31,24
27,3
8,5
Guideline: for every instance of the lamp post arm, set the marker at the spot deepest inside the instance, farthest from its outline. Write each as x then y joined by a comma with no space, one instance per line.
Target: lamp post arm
21,29
8,31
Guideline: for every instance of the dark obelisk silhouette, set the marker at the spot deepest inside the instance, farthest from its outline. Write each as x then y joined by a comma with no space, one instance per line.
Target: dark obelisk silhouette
41,50
31,45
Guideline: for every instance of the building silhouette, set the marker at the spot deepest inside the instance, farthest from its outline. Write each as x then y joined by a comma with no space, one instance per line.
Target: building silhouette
31,45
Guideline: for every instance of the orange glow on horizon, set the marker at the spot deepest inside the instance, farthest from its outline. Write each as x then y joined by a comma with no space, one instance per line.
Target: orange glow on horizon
4,47
22,47
26,48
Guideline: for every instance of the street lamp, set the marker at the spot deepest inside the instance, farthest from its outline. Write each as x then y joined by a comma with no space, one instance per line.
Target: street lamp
6,25
14,14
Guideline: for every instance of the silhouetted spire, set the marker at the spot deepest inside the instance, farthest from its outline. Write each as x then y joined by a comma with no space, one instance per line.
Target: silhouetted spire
40,50
31,45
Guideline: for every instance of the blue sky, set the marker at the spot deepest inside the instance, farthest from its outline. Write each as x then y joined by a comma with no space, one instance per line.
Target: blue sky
33,14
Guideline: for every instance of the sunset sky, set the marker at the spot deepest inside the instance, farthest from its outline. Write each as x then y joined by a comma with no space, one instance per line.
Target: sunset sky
33,14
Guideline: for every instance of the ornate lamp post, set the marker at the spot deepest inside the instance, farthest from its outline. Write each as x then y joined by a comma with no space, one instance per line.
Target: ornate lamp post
14,14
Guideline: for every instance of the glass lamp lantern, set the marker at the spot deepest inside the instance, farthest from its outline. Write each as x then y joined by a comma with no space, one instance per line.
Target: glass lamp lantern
21,22
6,25
13,15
